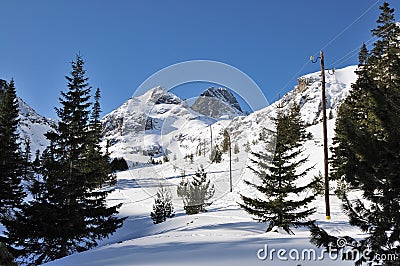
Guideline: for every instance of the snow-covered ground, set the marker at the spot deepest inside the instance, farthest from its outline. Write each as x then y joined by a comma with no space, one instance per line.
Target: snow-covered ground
225,235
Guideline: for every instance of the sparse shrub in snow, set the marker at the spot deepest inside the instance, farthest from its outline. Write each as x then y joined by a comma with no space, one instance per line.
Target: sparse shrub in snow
247,147
330,114
165,158
162,207
216,155
119,164
236,148
196,192
190,157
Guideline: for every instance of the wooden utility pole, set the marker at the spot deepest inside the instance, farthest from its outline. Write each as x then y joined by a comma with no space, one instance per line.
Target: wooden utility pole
230,161
211,139
325,136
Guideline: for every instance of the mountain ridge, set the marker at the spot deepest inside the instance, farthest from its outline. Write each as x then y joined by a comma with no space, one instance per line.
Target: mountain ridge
146,114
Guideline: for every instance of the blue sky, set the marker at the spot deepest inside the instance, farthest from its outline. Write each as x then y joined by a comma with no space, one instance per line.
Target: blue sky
124,42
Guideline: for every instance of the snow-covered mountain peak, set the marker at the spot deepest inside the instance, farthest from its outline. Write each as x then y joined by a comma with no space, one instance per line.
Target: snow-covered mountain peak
133,115
217,103
223,95
143,126
137,129
159,95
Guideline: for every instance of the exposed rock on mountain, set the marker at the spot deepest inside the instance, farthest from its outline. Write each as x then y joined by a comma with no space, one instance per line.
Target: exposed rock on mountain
217,103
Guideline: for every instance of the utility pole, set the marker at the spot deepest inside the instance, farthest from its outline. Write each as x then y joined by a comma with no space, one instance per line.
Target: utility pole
230,161
211,139
325,135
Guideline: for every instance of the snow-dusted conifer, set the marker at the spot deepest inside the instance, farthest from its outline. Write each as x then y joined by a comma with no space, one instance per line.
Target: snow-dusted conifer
278,171
162,207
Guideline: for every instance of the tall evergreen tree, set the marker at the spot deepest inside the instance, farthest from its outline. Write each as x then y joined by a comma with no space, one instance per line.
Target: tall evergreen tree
225,140
278,172
35,182
100,162
27,166
11,161
366,153
69,213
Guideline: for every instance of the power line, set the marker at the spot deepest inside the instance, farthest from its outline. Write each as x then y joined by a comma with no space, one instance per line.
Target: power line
326,45
349,26
356,50
350,54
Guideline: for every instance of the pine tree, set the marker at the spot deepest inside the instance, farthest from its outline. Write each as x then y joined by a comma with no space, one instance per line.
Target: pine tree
35,183
119,164
225,141
162,207
216,155
99,162
69,213
27,166
6,259
236,148
11,161
366,153
196,192
3,86
278,172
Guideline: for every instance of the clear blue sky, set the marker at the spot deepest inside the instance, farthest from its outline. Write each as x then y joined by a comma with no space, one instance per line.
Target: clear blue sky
124,42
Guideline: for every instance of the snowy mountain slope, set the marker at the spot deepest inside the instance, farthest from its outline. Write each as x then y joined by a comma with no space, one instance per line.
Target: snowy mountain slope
32,126
308,93
225,235
146,126
159,123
